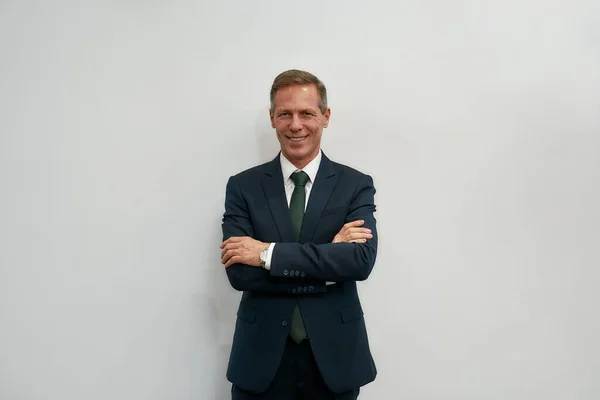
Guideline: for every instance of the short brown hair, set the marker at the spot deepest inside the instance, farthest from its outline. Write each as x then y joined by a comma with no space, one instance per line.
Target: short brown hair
298,77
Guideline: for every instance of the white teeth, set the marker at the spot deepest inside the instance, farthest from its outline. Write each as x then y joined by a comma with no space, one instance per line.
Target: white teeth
296,139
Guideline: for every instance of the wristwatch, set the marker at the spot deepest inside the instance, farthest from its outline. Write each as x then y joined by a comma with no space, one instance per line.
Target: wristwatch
263,257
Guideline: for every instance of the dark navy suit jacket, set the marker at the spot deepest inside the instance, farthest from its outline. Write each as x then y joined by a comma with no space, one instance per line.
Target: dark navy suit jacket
256,206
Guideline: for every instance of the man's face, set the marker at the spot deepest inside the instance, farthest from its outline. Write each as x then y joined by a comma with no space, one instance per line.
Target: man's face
299,122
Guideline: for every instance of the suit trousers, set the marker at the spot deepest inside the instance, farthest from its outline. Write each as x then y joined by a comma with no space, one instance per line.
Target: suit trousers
297,378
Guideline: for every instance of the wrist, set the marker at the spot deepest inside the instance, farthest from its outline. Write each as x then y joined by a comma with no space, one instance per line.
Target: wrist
263,255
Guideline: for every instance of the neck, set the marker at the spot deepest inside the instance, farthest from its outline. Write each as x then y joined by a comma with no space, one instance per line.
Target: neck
301,163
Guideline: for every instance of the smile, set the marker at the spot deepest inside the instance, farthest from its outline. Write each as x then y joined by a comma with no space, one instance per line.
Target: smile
297,139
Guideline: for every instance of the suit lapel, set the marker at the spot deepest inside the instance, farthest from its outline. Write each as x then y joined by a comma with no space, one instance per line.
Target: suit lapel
322,188
274,190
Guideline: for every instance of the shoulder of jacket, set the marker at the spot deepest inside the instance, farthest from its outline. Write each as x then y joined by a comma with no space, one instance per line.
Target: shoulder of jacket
348,170
252,172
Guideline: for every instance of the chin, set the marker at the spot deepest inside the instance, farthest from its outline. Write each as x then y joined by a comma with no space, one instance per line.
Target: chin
298,153
301,155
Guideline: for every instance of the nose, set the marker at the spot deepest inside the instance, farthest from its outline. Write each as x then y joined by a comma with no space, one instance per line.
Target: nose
295,125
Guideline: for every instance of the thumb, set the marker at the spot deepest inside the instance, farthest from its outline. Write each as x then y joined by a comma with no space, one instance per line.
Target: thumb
357,222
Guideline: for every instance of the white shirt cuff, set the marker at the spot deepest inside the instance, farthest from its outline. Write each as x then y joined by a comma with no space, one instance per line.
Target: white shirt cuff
269,256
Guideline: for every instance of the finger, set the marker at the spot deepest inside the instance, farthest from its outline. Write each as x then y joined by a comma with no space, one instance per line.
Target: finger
361,230
349,239
227,259
339,238
233,239
360,235
358,222
227,248
233,260
358,241
227,255
352,226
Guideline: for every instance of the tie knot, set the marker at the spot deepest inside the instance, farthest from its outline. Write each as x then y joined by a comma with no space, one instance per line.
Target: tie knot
299,178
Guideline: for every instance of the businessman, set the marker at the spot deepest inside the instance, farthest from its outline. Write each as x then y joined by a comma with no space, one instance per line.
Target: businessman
298,233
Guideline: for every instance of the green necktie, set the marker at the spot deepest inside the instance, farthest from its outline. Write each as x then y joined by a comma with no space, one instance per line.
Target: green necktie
297,205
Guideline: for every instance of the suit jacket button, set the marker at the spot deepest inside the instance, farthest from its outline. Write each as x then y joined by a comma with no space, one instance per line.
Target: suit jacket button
297,273
286,272
311,288
304,289
293,290
302,274
284,323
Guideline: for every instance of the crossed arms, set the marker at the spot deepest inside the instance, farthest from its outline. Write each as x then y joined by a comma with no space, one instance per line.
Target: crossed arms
349,257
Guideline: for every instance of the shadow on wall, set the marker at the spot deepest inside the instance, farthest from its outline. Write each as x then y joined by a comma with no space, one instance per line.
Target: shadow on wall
222,301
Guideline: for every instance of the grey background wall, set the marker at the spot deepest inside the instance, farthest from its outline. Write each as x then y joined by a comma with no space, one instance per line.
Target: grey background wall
120,122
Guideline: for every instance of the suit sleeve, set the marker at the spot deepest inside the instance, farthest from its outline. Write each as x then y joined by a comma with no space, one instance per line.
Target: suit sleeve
337,262
242,277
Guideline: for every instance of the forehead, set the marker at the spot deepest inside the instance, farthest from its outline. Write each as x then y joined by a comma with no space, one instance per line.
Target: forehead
297,96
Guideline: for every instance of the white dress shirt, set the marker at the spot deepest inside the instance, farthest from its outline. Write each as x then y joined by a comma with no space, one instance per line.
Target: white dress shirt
287,169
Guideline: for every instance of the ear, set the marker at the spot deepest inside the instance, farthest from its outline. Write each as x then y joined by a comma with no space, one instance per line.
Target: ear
326,117
272,118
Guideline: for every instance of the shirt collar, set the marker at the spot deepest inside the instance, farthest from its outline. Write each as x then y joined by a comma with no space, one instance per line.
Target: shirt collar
311,169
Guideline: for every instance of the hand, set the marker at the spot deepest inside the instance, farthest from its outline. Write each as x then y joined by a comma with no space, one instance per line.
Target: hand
242,249
352,233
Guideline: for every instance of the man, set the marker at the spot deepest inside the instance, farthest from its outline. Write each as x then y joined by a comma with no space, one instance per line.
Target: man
298,233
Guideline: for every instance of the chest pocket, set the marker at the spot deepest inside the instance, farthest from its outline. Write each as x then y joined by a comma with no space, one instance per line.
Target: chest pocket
334,210
330,222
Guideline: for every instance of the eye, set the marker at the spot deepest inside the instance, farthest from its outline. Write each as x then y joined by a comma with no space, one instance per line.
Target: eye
309,113
284,114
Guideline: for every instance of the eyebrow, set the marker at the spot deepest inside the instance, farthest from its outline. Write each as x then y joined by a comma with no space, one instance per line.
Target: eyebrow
280,110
